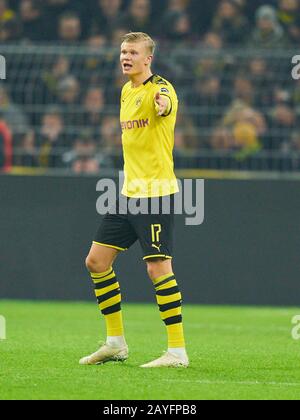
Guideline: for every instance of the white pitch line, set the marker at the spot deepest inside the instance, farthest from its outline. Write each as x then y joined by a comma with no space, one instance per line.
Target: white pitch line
247,383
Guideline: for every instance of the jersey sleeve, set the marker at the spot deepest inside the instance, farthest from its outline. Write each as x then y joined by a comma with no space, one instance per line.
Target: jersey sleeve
165,88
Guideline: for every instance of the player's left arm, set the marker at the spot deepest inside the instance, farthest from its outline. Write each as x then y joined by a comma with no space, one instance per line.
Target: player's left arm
163,104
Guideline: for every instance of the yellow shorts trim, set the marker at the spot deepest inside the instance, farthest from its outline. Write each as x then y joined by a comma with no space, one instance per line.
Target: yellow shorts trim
110,246
158,256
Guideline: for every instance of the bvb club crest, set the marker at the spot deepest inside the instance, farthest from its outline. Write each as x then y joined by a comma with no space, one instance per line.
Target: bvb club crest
139,102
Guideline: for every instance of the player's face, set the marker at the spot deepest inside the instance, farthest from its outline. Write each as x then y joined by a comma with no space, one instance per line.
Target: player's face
135,58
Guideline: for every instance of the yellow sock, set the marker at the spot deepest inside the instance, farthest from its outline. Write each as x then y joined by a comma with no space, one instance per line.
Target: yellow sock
169,300
107,290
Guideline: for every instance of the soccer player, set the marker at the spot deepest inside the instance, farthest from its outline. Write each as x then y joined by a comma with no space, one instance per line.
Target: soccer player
148,115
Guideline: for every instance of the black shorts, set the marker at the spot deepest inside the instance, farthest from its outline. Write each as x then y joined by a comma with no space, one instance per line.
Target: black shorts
154,230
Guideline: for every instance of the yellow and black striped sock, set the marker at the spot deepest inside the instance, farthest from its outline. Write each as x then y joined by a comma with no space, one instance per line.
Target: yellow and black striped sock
170,304
107,290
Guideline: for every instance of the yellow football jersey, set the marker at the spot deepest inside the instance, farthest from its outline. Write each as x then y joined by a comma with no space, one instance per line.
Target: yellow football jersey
148,140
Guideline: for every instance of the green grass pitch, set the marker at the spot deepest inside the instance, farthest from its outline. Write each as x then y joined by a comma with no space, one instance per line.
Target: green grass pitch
235,353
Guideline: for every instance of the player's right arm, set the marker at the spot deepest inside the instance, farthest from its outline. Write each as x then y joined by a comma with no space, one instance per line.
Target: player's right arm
163,104
165,97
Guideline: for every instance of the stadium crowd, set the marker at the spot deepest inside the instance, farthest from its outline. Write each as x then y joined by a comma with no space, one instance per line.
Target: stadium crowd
227,59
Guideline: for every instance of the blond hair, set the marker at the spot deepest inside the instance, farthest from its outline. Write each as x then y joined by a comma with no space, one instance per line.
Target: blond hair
133,37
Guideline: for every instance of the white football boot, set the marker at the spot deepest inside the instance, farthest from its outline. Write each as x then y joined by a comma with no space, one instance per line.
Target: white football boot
168,360
106,353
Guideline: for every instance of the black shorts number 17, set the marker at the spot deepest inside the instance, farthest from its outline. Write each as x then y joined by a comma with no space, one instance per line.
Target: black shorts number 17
155,232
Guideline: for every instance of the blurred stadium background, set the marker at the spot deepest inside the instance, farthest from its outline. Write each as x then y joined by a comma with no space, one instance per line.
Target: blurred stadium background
238,127
231,63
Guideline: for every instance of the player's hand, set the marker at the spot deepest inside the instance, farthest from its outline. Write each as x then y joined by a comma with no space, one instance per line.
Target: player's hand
162,104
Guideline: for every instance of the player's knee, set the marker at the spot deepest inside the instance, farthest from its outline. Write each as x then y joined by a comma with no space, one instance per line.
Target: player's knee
90,264
152,271
96,266
158,267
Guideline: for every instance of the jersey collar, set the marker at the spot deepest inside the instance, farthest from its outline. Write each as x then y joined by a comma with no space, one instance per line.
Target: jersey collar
149,80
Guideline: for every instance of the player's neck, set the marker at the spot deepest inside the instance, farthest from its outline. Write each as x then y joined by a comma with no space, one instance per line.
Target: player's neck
138,79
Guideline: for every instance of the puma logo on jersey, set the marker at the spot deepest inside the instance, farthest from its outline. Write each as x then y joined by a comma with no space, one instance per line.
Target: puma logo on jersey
157,247
159,80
